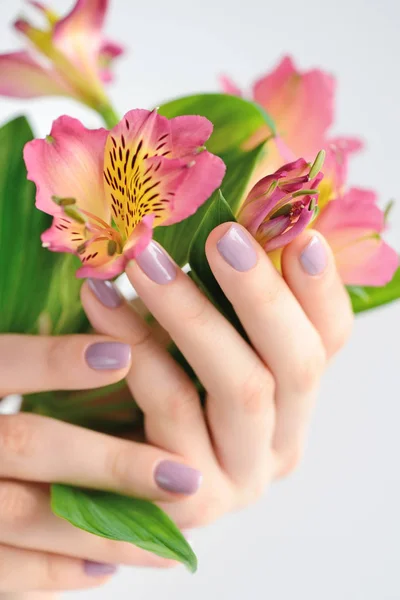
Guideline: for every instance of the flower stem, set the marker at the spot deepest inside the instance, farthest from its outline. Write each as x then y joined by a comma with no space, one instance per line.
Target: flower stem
108,115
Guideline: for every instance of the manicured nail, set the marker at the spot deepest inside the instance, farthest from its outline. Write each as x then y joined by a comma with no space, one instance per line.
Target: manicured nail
237,249
105,356
106,292
97,569
314,257
156,263
177,478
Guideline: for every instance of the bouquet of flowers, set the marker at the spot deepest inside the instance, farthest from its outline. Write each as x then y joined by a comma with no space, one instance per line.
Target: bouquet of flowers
174,173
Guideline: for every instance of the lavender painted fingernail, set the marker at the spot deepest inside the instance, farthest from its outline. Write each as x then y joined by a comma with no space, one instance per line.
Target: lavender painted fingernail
314,257
177,478
105,356
157,265
106,292
237,249
97,569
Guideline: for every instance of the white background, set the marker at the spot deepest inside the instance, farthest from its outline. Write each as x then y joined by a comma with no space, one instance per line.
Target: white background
331,531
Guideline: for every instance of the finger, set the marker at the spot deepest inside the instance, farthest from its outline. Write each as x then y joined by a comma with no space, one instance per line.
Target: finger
41,449
27,570
38,363
309,269
27,521
276,325
173,415
240,403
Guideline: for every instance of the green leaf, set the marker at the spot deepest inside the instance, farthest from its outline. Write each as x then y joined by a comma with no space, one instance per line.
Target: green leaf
219,212
241,168
124,519
235,119
366,298
31,301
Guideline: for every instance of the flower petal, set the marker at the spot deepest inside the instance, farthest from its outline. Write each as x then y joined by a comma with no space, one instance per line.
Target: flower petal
108,52
64,235
140,238
369,262
69,163
352,225
101,266
304,219
22,77
290,97
338,151
357,209
188,134
79,32
229,86
203,178
143,177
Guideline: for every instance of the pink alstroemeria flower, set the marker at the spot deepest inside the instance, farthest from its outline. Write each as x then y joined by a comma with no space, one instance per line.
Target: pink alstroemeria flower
107,190
301,105
69,57
352,225
281,205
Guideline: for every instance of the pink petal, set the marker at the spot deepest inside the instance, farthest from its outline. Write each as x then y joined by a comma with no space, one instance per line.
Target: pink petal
188,133
369,262
259,204
108,52
85,20
229,86
356,209
22,77
272,228
69,163
141,153
111,49
203,178
107,270
140,238
79,37
287,237
338,152
290,97
64,235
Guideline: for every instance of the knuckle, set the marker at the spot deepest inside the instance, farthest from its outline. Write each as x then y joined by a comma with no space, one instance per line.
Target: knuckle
19,505
306,375
179,401
208,510
54,574
255,391
252,492
57,350
119,466
17,436
195,309
266,296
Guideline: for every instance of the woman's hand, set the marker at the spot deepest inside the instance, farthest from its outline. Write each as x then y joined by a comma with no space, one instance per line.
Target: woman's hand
39,551
260,397
251,431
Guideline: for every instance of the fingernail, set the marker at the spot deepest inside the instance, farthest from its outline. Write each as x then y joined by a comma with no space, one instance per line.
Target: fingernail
97,569
177,478
106,292
105,356
156,263
237,249
314,257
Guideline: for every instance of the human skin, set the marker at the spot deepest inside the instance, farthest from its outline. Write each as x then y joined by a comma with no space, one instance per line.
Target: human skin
197,464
